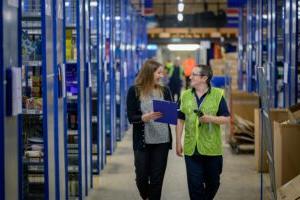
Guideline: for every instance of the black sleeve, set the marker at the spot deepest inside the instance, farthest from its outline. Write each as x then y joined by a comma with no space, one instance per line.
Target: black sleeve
223,108
134,113
180,115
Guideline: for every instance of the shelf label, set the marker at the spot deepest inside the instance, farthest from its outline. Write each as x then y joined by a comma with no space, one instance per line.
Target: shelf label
60,13
13,3
285,72
48,8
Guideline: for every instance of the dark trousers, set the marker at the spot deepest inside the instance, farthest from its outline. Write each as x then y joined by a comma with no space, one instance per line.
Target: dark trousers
203,176
150,167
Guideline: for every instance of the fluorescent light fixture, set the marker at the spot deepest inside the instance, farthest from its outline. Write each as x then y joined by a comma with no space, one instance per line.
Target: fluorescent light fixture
152,47
183,47
180,17
117,18
265,16
67,3
93,3
180,7
91,18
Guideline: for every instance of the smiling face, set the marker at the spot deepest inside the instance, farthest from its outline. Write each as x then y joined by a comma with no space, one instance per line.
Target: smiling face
158,74
197,78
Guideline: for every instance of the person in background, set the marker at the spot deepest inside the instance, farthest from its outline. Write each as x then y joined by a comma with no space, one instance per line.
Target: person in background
151,140
188,66
202,110
175,78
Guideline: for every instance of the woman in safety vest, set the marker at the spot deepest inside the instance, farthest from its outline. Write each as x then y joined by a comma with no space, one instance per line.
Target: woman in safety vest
202,110
151,140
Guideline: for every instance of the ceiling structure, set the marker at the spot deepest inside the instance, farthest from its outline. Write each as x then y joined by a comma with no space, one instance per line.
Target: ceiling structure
169,7
195,13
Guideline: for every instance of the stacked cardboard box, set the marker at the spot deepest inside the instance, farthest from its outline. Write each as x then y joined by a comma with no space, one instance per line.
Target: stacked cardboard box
279,115
242,105
218,66
226,66
290,190
287,147
286,152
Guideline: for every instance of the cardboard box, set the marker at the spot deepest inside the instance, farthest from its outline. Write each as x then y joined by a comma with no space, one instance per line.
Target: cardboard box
243,104
294,113
290,190
286,152
278,115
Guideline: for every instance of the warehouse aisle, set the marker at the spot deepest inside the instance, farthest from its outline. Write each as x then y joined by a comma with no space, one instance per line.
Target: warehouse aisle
239,179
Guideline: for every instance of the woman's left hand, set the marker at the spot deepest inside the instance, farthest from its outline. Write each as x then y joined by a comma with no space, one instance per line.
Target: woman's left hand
206,119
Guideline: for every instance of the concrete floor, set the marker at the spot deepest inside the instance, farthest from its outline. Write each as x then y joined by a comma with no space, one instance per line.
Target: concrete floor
239,180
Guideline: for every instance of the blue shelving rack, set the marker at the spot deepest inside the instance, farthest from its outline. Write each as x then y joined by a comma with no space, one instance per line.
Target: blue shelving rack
87,95
290,72
60,133
109,78
298,53
41,174
123,70
76,87
96,139
293,67
2,172
101,81
118,65
251,47
9,145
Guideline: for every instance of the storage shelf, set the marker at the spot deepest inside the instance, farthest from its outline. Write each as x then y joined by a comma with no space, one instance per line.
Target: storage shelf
72,132
94,119
36,63
32,112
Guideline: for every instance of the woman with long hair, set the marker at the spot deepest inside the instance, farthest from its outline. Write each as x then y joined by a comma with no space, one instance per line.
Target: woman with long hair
151,140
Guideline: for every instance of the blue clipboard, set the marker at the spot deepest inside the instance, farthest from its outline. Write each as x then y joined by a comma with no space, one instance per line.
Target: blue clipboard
168,109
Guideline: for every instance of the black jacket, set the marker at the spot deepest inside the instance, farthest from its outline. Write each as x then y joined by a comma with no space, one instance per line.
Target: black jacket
134,114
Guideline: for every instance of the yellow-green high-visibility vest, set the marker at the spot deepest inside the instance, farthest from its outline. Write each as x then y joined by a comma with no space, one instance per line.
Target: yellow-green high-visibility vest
207,136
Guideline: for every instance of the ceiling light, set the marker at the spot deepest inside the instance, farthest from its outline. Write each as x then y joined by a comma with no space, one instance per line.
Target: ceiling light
183,47
152,47
180,7
93,3
67,3
180,17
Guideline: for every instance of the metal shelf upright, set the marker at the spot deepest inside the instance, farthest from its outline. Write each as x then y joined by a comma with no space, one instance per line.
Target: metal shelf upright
41,136
75,89
293,95
242,48
9,59
118,65
101,83
109,78
96,87
87,96
290,54
252,46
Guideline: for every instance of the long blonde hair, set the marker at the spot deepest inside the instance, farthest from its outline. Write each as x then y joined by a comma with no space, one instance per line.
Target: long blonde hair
144,81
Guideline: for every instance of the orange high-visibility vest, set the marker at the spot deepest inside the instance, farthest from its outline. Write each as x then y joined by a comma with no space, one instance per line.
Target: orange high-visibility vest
188,66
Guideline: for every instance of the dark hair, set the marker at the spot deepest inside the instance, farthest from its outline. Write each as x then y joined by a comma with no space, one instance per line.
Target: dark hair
206,70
